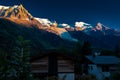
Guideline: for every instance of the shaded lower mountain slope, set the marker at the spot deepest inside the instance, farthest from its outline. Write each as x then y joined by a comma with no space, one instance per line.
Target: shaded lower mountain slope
40,39
95,42
110,40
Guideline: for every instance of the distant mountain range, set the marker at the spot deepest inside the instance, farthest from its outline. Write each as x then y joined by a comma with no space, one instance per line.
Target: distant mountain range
45,34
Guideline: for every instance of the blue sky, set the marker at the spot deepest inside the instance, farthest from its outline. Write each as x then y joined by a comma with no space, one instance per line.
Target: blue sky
70,11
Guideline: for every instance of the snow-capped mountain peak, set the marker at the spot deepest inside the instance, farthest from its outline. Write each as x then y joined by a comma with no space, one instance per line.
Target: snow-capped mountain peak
64,25
44,22
82,26
5,7
15,12
101,27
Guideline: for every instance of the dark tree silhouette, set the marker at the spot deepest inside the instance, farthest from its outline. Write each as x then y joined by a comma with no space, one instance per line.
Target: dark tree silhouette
86,49
16,65
21,57
117,50
78,62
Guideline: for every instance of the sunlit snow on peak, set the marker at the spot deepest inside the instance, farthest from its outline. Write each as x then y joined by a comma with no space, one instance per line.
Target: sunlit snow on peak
82,25
64,25
5,7
44,21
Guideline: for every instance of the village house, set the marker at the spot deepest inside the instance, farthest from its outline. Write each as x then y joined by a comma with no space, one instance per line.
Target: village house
102,66
61,64
53,64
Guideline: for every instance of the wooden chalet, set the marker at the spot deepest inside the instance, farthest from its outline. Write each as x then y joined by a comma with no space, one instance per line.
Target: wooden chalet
53,63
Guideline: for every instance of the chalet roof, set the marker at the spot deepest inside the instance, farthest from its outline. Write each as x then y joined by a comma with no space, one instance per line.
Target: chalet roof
104,59
53,53
68,56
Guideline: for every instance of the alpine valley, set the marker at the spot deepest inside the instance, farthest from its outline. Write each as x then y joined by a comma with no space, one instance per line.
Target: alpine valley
45,34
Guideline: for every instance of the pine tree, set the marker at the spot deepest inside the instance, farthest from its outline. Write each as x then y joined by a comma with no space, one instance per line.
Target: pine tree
16,65
3,64
6,70
21,59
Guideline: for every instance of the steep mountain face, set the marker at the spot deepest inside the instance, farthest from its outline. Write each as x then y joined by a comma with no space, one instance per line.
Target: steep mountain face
41,40
99,36
42,36
45,34
53,27
82,26
100,29
103,30
20,15
105,34
14,12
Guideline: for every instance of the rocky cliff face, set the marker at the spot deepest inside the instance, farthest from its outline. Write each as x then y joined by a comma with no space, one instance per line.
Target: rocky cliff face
15,12
19,15
99,36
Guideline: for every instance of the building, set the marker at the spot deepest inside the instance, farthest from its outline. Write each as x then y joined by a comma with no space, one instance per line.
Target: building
102,66
53,64
59,64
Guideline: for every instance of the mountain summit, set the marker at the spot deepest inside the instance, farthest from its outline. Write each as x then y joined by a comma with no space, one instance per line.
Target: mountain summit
15,12
41,30
101,27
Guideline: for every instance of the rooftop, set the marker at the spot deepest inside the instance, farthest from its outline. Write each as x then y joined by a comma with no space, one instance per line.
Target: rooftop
104,59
